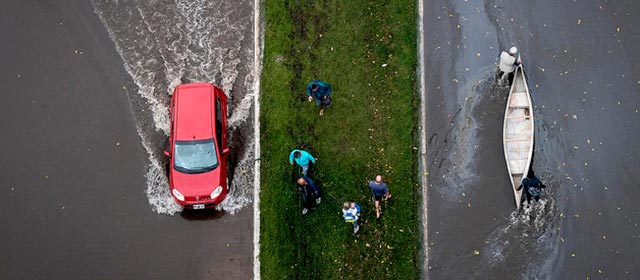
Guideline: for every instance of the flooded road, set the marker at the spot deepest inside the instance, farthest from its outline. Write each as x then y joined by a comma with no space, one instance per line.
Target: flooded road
164,43
85,194
584,75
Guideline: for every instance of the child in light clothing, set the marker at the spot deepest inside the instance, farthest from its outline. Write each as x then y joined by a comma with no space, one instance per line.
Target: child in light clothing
351,214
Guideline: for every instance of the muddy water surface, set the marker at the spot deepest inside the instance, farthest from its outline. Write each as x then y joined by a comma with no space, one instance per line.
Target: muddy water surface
583,73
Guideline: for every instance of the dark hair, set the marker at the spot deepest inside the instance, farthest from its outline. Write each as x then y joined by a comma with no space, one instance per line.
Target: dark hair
531,174
314,87
297,154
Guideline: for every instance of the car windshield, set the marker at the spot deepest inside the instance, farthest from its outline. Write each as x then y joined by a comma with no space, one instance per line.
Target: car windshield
195,156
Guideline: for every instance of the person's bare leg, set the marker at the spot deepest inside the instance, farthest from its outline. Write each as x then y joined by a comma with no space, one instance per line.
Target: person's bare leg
377,205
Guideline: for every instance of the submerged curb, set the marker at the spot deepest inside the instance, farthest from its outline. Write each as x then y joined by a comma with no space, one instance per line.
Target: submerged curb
258,42
423,144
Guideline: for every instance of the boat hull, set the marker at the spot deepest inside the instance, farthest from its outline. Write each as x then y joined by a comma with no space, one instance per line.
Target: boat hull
518,132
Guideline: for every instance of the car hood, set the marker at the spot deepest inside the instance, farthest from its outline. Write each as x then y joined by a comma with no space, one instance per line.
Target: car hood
196,184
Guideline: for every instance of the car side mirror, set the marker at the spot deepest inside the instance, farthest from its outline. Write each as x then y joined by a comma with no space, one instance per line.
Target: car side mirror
226,150
167,154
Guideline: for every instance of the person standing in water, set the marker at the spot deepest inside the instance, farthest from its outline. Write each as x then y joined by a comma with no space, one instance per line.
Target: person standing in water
532,187
508,63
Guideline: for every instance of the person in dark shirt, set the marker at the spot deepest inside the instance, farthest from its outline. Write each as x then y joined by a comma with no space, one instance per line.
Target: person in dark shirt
532,187
380,191
309,191
321,92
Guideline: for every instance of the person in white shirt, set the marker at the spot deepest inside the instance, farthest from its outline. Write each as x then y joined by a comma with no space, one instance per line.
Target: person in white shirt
508,63
351,214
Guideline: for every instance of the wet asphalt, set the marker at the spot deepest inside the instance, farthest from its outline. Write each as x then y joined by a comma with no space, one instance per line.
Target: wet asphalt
584,72
72,166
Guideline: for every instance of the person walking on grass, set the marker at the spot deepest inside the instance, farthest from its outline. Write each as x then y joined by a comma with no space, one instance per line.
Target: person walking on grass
532,187
302,158
309,191
321,92
351,214
380,191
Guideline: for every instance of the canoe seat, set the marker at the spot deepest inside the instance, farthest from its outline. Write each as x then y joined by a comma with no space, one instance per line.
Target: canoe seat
518,117
519,99
517,139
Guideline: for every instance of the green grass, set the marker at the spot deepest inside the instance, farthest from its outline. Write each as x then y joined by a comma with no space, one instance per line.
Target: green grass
370,129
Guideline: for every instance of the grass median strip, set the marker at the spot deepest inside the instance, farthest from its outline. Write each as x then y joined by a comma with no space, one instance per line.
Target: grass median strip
366,50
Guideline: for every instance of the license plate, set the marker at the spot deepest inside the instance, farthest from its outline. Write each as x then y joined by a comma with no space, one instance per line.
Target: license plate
198,206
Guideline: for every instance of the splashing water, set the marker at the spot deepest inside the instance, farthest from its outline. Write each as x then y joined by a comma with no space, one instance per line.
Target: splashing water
162,43
530,229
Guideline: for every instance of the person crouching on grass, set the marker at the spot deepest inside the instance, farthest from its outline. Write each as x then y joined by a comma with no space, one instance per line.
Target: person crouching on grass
351,214
321,92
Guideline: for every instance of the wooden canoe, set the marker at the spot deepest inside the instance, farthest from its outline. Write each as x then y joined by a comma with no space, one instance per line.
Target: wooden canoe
517,132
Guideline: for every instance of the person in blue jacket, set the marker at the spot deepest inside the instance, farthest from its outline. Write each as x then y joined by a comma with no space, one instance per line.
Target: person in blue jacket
302,158
309,191
351,214
321,92
532,187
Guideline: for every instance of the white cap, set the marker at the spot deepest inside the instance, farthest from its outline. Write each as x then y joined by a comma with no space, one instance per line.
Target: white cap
513,50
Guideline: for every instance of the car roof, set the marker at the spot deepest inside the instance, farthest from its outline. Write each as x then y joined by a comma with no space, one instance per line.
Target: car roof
194,111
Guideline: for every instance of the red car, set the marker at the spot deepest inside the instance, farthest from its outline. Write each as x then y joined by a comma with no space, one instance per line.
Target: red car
198,142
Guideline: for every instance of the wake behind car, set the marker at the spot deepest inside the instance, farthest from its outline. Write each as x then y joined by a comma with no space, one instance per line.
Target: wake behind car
198,146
